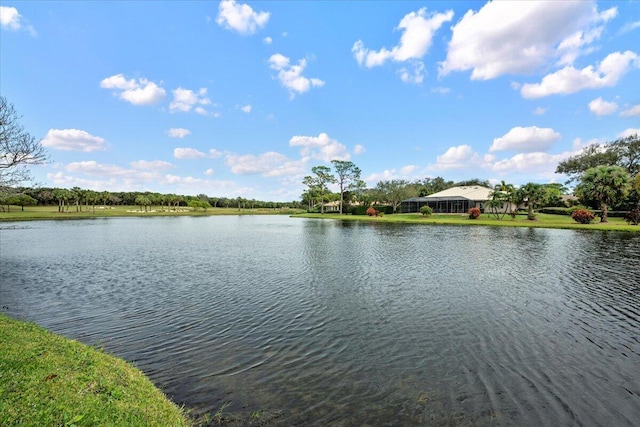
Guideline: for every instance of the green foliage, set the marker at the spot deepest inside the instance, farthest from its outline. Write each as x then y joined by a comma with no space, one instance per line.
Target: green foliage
633,217
473,182
604,184
582,216
347,178
474,213
385,209
426,211
395,191
357,210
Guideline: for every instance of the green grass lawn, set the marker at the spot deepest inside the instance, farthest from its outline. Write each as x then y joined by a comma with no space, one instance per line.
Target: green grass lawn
541,221
51,212
49,380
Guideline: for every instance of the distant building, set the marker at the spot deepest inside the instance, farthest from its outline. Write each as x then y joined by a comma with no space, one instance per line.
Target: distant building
453,200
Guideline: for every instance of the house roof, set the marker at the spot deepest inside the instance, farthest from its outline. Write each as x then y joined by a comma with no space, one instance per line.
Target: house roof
472,192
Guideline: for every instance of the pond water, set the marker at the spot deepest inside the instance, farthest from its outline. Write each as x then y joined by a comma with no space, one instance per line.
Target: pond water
313,322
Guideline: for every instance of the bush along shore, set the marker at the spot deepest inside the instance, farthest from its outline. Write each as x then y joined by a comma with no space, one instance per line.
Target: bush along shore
49,380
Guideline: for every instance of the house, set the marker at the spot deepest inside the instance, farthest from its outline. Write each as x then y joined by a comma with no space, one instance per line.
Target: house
454,200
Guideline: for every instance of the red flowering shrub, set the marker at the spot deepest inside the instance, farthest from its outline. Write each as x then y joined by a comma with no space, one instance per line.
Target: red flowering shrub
372,212
474,213
583,216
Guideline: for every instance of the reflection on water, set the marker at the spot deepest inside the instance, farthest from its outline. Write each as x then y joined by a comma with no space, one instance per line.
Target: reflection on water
332,323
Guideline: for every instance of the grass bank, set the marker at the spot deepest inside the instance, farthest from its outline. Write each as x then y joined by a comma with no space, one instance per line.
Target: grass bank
541,221
49,380
51,212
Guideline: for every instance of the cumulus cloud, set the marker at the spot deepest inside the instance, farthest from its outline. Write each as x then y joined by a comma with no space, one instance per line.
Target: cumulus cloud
455,157
570,80
520,37
631,111
73,140
600,107
628,132
414,75
186,100
417,30
240,17
320,147
136,91
184,153
246,109
539,111
537,162
358,149
270,164
267,40
390,174
178,132
10,19
156,165
290,76
526,139
209,172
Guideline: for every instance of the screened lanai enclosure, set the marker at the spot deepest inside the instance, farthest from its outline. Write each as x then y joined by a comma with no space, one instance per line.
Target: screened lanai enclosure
439,205
452,200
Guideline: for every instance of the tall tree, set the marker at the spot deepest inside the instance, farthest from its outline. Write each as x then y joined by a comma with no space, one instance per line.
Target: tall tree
623,152
501,199
319,182
605,184
18,149
395,191
347,176
533,195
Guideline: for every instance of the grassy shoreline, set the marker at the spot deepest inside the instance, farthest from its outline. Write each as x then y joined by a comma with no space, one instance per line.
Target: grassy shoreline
541,221
32,213
46,379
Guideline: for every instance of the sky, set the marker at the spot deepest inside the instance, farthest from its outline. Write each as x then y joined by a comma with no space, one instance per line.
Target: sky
242,99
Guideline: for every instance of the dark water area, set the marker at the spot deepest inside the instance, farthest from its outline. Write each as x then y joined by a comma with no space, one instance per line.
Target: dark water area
347,324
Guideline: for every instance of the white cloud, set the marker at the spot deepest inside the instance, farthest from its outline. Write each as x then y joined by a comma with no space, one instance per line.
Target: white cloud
178,132
600,107
441,90
240,17
539,111
209,172
628,132
11,19
415,76
629,27
570,80
507,37
527,139
320,147
290,76
456,157
631,111
417,29
358,149
270,164
540,163
390,174
156,165
73,140
246,109
267,40
185,100
214,154
188,153
136,91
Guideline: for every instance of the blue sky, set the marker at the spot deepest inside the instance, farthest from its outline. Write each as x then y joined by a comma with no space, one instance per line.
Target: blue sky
242,99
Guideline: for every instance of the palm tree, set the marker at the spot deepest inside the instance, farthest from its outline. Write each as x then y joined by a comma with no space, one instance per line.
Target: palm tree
605,184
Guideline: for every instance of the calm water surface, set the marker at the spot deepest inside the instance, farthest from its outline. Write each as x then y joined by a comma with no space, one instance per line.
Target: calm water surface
336,323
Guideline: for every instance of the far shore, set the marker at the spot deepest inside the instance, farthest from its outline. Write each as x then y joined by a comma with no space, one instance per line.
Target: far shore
33,213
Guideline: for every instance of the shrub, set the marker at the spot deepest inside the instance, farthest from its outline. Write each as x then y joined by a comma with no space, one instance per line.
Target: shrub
633,217
474,213
386,209
372,212
357,210
583,216
426,210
